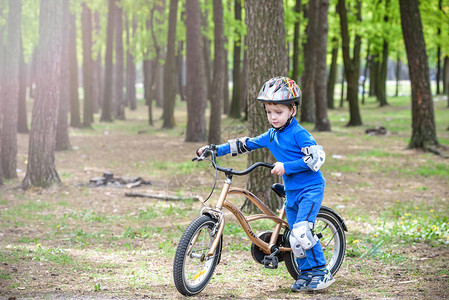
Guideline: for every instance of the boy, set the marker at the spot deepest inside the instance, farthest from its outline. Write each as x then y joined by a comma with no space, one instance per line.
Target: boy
298,162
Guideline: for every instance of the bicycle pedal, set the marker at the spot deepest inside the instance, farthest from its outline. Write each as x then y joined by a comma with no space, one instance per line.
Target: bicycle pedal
270,262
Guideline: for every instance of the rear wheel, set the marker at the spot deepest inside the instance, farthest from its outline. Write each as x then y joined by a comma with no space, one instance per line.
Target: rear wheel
333,241
192,269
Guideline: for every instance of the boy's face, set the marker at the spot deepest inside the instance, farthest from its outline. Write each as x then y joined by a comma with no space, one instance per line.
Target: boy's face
278,114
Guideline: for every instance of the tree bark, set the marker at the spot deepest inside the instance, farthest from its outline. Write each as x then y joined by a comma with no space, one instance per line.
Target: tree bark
41,169
10,89
382,77
398,75
22,121
170,69
86,25
332,79
130,65
446,77
180,71
75,120
62,129
218,76
196,93
296,43
106,113
423,123
352,65
264,51
119,100
226,85
206,53
321,120
234,111
310,60
97,69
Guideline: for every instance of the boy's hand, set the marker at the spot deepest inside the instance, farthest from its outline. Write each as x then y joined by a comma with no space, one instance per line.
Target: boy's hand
200,150
278,169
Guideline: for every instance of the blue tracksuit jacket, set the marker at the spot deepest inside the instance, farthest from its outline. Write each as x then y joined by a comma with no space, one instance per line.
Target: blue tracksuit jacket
304,187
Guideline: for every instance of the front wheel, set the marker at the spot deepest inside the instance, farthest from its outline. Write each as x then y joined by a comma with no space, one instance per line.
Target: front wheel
331,230
192,269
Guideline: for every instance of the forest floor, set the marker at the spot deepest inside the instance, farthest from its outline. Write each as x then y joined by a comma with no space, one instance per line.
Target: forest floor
83,242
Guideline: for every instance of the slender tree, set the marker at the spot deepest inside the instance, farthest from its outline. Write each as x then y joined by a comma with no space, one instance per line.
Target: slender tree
10,86
423,122
310,60
170,69
41,169
130,65
264,53
381,85
234,111
2,30
97,69
86,22
62,132
22,121
75,120
119,100
351,65
296,40
106,113
218,76
206,51
196,93
321,120
332,79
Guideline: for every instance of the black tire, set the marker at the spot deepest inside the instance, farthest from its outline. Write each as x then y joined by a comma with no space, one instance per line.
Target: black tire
191,269
333,242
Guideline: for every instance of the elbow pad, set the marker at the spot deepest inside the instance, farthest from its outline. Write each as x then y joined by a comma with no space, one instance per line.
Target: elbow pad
314,157
238,146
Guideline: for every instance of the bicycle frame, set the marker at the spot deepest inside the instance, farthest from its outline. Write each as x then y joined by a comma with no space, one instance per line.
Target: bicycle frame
217,213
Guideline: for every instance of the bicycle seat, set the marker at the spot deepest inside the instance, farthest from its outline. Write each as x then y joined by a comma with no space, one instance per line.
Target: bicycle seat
278,189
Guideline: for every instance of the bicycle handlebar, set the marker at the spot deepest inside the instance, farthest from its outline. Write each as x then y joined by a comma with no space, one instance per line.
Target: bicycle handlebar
207,152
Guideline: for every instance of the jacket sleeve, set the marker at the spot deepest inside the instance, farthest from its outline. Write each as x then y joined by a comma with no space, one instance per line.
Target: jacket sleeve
254,143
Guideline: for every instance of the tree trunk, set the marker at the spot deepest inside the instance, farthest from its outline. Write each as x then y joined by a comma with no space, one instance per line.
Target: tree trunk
382,77
365,72
147,72
342,91
170,69
321,121
438,75
244,86
234,111
41,169
22,121
446,77
264,51
226,85
398,75
62,129
196,93
130,66
308,77
423,123
119,100
373,74
97,86
218,79
75,120
180,71
86,22
106,113
296,44
206,53
352,65
332,79
11,90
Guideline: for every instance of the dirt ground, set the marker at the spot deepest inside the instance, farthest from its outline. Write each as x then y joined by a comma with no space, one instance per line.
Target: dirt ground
145,271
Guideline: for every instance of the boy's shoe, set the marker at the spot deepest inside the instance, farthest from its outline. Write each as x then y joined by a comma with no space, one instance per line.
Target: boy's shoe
301,283
321,279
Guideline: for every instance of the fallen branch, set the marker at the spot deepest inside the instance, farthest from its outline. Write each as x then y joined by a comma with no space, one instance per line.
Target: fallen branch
161,196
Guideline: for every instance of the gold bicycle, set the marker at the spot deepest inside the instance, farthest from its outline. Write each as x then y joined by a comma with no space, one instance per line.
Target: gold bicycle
200,248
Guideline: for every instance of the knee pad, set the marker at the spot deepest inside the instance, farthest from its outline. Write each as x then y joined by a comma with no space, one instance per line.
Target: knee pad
303,234
297,250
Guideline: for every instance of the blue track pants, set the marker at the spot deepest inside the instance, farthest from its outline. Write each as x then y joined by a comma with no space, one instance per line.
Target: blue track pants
304,205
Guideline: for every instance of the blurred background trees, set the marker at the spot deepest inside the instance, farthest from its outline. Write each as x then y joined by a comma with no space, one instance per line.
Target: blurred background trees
141,54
